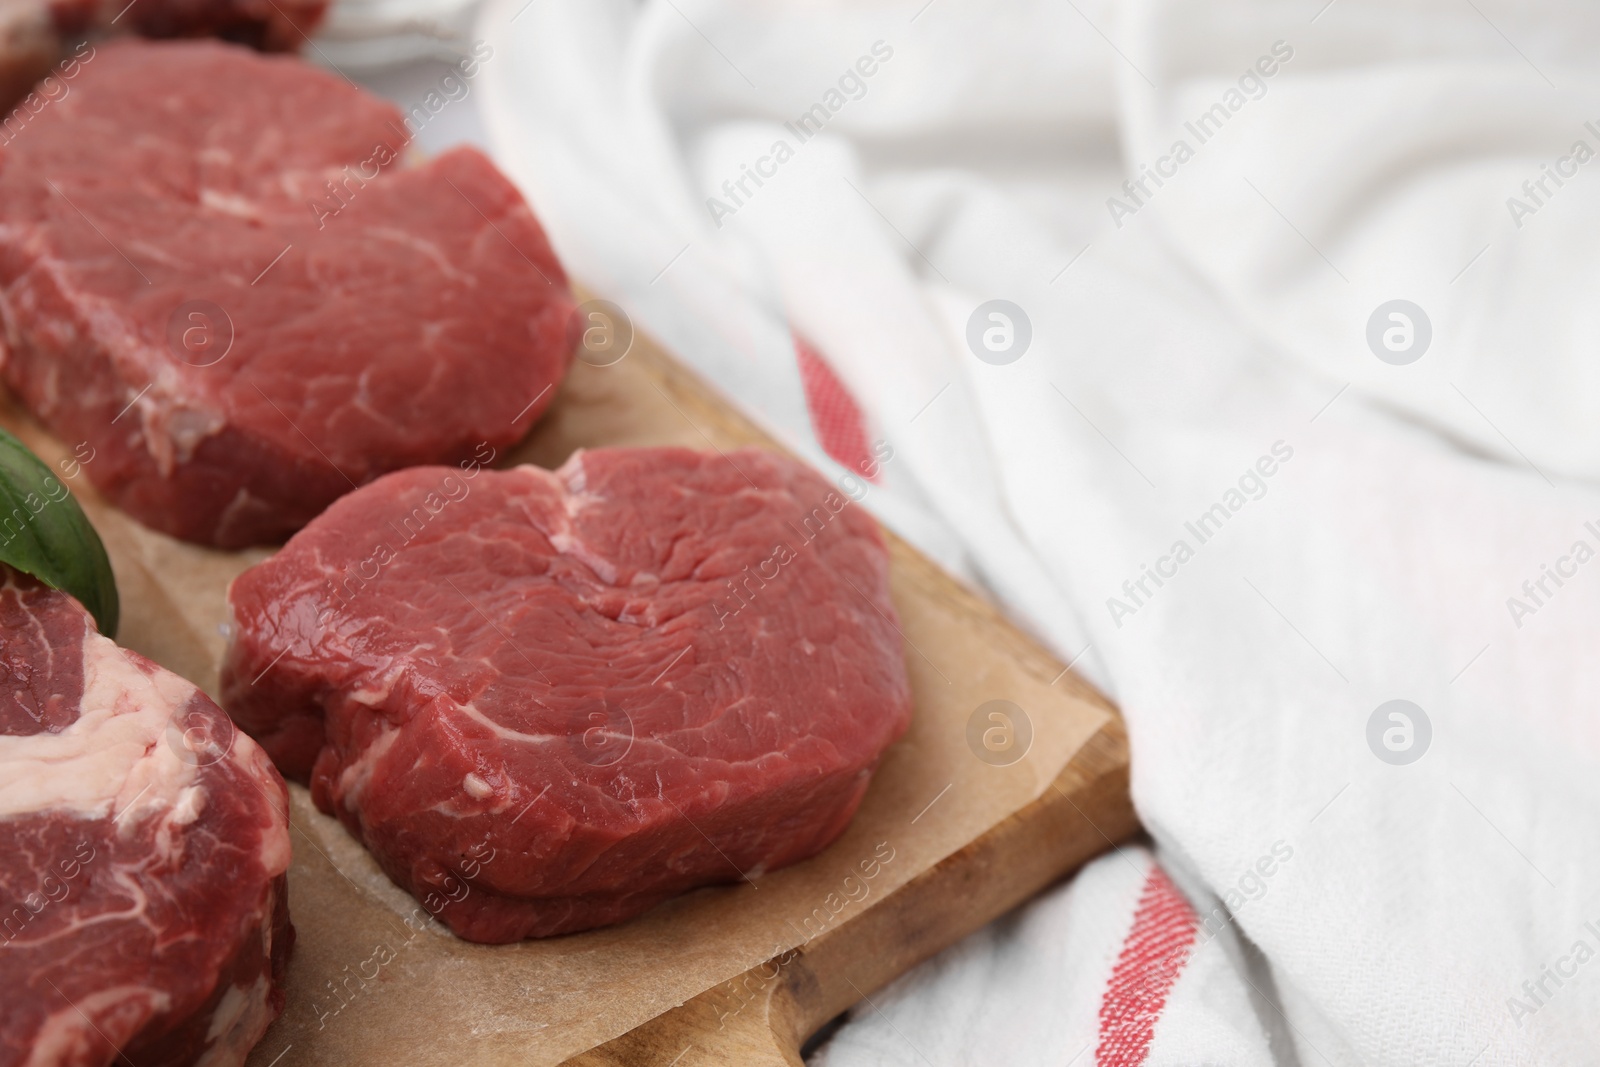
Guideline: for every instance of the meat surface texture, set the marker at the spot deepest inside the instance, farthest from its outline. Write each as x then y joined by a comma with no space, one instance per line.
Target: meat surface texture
143,849
548,701
37,35
218,278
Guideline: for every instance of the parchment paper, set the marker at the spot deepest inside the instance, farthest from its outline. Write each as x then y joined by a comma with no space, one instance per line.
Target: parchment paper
372,981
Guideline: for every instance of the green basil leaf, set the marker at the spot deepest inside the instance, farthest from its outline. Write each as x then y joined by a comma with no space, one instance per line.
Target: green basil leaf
45,533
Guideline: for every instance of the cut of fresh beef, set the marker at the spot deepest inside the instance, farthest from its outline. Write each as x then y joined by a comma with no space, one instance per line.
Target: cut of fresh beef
35,35
143,845
546,702
271,25
216,273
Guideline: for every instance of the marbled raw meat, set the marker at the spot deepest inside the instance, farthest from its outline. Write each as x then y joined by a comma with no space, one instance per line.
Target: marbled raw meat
143,850
218,275
548,701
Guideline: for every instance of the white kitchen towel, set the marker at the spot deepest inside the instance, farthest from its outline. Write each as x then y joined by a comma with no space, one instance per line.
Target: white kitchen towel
1085,975
1285,416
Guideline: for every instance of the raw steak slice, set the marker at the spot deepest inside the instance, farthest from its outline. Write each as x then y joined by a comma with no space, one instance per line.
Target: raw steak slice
215,272
270,25
143,845
34,34
546,702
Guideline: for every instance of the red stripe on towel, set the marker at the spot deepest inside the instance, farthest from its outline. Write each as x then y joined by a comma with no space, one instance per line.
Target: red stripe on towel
1153,955
835,416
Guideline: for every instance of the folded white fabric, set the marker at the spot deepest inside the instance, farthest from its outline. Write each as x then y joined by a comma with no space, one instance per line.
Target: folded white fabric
370,37
1286,417
1082,975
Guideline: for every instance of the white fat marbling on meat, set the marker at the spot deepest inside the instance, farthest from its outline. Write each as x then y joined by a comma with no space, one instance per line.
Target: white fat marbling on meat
564,538
69,1037
501,730
357,774
573,473
275,847
115,759
187,428
241,1018
229,204
377,690
124,757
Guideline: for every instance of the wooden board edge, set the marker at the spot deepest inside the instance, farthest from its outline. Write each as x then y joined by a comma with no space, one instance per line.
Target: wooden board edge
763,1017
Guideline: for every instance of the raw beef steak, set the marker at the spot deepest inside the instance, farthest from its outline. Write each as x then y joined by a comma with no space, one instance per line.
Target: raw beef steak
546,702
143,845
271,25
35,34
215,272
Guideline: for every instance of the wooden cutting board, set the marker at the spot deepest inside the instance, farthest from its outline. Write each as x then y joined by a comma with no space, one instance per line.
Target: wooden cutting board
967,816
765,1015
